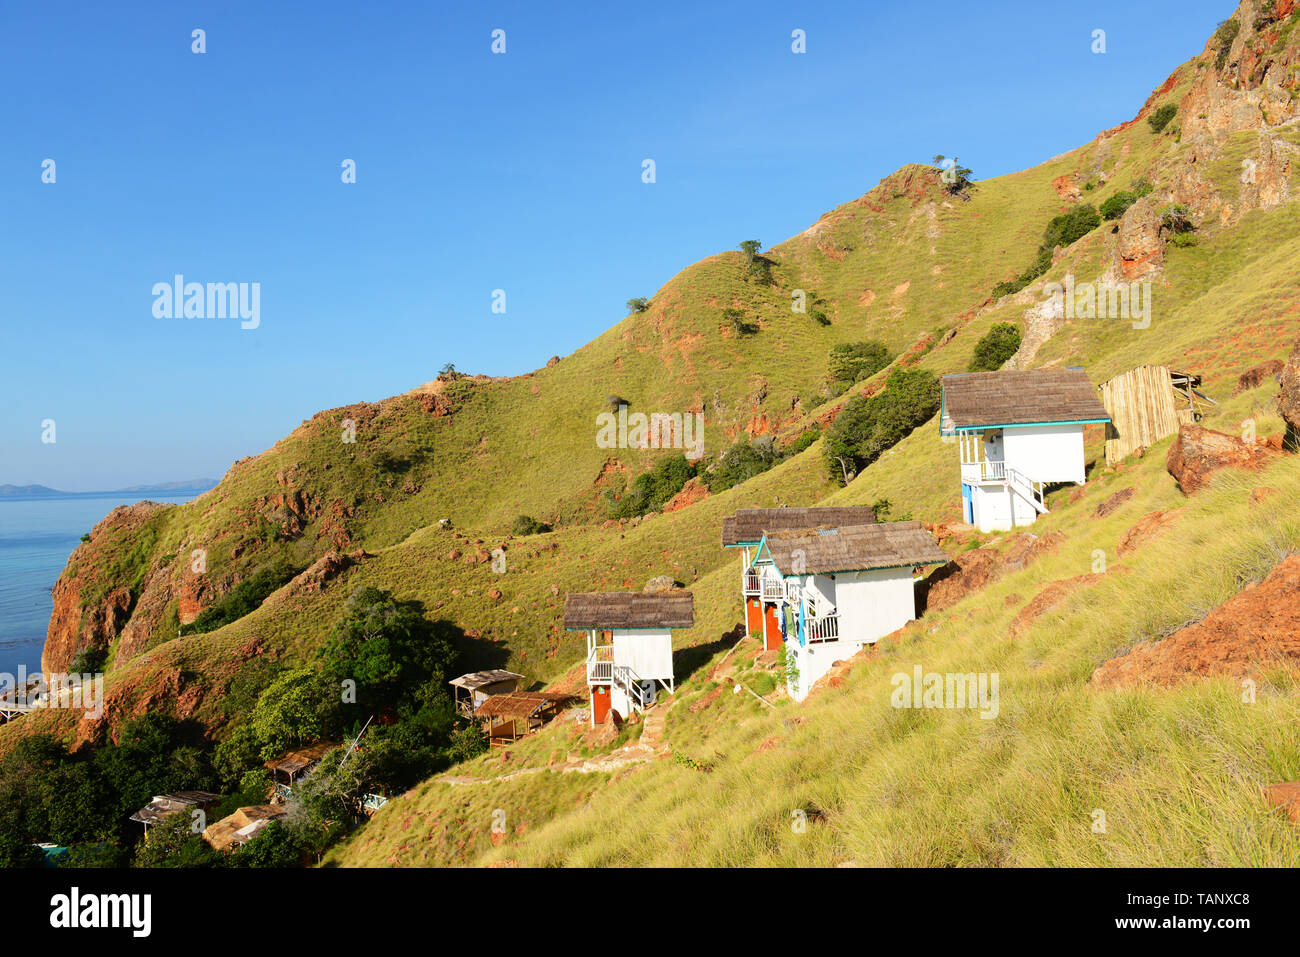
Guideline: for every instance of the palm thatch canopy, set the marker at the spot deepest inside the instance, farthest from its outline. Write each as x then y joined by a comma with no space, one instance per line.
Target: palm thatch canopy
748,525
629,610
821,551
984,400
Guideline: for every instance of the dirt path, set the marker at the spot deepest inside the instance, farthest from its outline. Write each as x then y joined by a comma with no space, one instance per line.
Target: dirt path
648,746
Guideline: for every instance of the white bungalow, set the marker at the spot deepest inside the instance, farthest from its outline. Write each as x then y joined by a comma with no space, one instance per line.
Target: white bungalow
1018,431
629,645
763,595
835,590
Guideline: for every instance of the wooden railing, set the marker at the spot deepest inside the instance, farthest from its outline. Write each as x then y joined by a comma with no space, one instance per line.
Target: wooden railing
749,582
773,588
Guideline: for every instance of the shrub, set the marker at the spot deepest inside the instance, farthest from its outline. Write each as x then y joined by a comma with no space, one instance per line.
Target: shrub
527,525
1063,230
1162,117
997,346
1117,205
867,426
652,490
742,462
1175,218
736,319
245,597
1224,37
639,304
854,361
803,442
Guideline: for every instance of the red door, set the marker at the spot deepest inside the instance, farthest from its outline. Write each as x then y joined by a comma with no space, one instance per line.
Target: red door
754,616
599,704
773,629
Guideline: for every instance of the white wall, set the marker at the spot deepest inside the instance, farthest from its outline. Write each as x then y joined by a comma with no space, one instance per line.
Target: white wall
648,653
1046,453
874,603
998,509
871,604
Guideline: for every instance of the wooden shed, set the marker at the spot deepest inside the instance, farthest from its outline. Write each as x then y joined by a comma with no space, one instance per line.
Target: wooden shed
1147,404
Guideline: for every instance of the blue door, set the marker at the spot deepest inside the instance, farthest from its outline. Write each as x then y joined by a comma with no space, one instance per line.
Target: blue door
967,506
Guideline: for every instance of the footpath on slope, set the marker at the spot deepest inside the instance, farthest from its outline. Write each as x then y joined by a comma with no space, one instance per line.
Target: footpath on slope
647,747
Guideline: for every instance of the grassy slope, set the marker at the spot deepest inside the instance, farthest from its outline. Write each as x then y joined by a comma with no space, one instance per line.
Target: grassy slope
1177,773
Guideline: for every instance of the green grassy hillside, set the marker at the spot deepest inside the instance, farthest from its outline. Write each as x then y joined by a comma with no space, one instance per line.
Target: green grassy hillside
910,264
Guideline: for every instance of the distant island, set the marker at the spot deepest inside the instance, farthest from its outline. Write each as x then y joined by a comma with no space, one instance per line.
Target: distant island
191,486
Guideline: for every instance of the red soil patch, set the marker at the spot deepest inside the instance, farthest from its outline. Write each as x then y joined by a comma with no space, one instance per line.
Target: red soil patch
970,571
1147,527
1257,628
1048,598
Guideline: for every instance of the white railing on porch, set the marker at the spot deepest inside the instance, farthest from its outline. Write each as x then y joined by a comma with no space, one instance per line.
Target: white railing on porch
773,588
600,665
825,628
749,582
1028,489
640,695
976,472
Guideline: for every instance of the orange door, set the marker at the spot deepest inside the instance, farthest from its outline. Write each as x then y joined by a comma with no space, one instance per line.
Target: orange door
754,616
599,704
773,629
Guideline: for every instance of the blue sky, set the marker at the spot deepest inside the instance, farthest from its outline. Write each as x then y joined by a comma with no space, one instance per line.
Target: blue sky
475,172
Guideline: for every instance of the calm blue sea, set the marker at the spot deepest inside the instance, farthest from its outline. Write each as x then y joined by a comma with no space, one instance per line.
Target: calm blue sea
36,537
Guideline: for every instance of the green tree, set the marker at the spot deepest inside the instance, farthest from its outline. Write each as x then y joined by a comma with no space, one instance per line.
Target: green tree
867,426
1162,117
997,346
852,362
639,304
751,248
742,462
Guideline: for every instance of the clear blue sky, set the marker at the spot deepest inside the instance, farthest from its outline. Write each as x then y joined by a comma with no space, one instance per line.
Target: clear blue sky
475,172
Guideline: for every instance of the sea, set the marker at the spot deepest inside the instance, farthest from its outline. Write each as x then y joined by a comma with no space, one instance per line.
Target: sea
36,537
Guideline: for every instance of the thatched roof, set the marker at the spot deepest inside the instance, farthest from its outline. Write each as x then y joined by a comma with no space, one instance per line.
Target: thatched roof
629,610
1018,397
165,805
242,826
294,761
821,551
748,525
519,704
481,679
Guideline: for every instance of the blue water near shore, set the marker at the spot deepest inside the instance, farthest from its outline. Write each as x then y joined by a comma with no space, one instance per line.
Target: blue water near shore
36,538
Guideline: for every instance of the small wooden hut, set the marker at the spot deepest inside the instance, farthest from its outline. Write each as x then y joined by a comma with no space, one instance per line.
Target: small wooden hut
508,717
473,689
165,805
294,765
242,826
1147,404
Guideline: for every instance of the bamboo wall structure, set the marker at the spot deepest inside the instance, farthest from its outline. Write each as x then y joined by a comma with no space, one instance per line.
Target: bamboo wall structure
1143,408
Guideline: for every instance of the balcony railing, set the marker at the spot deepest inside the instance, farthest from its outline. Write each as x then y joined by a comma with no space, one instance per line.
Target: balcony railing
826,628
600,665
749,582
773,588
974,472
